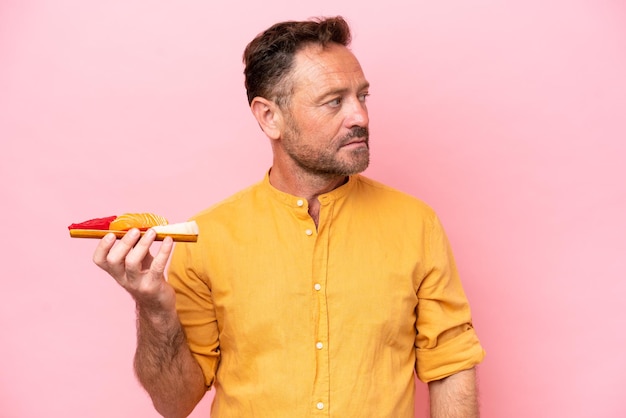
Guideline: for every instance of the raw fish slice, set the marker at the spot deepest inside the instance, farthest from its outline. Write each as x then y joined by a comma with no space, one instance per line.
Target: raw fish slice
142,221
97,223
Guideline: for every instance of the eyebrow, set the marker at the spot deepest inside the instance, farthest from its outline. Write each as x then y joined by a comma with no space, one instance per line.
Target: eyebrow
343,91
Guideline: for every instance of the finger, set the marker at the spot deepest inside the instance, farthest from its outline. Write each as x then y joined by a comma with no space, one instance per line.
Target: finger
157,268
140,254
102,251
116,259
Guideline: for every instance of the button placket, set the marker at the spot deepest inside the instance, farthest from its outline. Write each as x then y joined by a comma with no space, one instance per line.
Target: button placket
319,271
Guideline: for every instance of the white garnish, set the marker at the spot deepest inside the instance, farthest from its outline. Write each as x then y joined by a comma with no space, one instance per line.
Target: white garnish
183,228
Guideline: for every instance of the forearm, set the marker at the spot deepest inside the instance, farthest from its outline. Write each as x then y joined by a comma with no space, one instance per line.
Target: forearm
165,366
455,396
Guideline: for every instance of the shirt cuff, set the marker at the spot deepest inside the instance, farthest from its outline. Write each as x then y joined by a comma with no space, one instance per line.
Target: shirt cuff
461,353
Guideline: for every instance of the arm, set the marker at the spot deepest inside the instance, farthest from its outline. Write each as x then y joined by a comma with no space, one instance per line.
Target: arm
455,396
163,361
165,366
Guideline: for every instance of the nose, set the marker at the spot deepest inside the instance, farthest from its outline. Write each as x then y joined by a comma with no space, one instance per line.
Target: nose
356,114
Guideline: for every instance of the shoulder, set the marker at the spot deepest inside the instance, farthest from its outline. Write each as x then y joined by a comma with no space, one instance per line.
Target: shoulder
381,194
236,204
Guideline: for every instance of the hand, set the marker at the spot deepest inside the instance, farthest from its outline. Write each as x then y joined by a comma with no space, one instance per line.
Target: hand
130,263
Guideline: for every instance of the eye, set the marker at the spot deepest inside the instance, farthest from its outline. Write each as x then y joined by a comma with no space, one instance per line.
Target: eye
363,97
335,102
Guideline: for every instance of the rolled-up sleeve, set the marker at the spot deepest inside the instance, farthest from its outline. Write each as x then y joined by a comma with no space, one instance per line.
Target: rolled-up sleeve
194,304
446,341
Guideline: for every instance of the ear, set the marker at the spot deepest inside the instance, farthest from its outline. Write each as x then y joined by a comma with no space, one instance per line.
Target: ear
268,115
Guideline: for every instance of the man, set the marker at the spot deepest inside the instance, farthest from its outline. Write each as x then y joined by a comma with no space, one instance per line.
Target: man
316,292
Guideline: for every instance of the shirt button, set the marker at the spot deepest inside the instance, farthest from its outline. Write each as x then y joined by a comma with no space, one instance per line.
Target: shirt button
319,345
308,232
320,405
300,202
317,286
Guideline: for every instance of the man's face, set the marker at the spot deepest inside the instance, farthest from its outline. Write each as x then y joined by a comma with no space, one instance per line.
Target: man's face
326,118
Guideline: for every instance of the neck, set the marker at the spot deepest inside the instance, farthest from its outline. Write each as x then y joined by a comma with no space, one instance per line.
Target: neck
306,185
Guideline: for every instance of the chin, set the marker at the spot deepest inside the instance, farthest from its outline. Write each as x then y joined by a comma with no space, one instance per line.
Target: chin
355,169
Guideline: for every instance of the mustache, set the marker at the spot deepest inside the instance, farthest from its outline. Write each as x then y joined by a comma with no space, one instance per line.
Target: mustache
356,132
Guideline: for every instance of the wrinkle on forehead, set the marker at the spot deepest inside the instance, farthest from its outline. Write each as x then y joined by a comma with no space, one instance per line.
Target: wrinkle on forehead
320,66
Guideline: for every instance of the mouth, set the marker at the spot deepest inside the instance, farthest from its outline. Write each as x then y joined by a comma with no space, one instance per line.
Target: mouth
356,143
357,138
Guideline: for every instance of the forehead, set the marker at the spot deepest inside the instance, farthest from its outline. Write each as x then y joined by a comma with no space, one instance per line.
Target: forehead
320,68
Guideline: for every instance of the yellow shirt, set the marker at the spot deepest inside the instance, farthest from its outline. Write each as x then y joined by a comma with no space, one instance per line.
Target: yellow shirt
290,320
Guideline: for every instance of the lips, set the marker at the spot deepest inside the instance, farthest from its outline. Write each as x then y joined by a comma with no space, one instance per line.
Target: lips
358,135
355,142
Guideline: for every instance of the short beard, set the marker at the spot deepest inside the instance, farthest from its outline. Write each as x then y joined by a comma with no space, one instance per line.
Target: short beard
325,162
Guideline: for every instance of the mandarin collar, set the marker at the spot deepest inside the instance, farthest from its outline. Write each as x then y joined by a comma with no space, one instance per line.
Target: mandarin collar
289,199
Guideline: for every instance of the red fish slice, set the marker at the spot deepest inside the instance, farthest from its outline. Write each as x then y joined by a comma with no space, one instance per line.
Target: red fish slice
97,223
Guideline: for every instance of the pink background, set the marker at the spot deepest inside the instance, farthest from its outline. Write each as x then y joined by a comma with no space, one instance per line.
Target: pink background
508,119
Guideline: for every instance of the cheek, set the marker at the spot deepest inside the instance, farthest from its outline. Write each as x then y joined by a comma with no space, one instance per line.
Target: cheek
319,125
314,120
324,127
